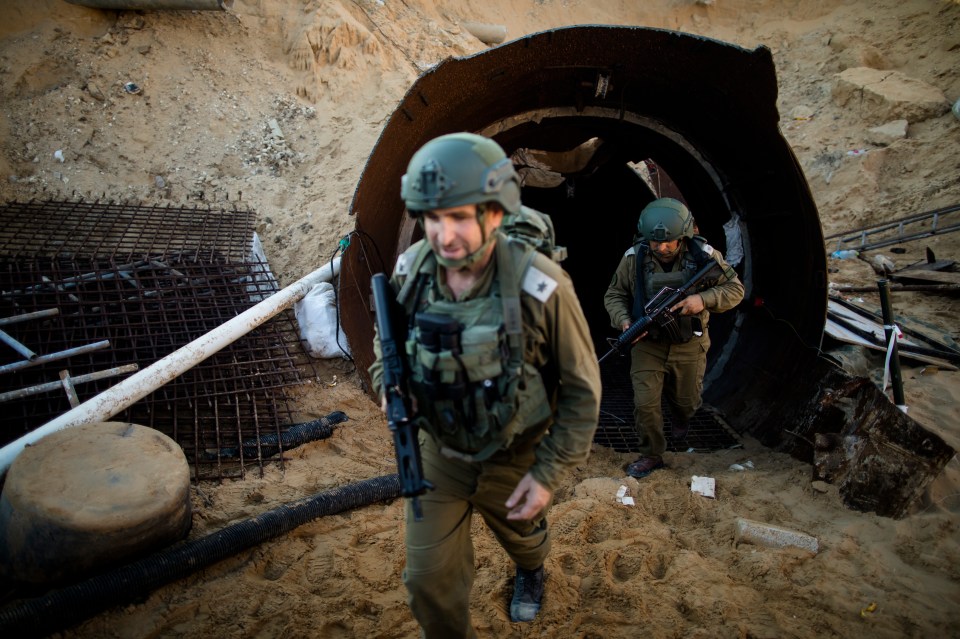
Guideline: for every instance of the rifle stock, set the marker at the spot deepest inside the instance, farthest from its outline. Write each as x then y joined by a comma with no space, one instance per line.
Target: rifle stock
392,336
639,329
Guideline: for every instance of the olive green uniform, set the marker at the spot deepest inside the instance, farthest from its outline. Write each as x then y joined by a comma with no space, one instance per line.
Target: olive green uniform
659,367
548,438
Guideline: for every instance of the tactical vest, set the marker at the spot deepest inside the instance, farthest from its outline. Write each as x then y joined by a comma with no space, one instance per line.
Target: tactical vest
475,392
649,282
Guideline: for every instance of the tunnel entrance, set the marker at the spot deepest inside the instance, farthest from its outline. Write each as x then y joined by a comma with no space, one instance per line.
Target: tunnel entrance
594,192
599,104
596,105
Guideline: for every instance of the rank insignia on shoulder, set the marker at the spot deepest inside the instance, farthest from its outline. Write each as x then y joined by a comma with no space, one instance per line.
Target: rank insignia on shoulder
402,265
538,284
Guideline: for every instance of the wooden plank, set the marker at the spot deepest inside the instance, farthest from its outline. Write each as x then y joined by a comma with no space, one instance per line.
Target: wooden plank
939,265
866,324
843,334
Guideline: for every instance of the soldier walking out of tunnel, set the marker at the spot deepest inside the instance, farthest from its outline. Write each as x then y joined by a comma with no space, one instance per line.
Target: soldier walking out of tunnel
503,377
672,358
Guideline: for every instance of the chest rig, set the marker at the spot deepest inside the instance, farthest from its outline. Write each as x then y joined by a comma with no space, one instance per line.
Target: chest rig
651,279
475,390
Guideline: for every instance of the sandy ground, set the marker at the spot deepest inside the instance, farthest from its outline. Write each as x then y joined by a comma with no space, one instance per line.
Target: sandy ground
330,74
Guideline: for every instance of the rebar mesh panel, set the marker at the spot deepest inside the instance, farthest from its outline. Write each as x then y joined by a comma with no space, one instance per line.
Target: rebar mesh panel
708,431
148,305
122,232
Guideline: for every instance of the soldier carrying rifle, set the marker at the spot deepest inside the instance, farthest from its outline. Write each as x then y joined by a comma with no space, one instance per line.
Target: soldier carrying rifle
503,376
670,357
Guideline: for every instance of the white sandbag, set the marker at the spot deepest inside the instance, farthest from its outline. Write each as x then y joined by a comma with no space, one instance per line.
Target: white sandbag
317,316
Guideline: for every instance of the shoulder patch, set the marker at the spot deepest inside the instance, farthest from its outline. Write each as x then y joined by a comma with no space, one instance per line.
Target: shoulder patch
707,249
538,284
403,264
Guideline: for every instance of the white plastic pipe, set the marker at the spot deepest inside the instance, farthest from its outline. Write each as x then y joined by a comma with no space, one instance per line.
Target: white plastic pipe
139,385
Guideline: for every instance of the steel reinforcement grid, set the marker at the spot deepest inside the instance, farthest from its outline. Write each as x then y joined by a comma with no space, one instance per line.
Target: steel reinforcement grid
115,285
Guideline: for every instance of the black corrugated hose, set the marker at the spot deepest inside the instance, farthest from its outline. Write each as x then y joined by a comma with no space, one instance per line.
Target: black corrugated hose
269,445
60,609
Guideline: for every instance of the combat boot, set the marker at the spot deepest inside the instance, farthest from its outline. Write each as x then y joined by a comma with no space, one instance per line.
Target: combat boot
527,594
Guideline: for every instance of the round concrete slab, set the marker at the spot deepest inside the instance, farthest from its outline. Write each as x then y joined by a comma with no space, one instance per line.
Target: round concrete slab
84,498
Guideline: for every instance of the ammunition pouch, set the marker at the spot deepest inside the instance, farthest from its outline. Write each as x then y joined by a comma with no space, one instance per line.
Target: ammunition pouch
439,337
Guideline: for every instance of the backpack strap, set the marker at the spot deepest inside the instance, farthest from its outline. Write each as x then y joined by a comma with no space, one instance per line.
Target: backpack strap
417,266
513,259
640,250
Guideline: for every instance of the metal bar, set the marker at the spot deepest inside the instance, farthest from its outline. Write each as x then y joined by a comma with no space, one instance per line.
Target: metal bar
139,385
67,384
17,346
908,219
52,357
80,379
4,321
863,246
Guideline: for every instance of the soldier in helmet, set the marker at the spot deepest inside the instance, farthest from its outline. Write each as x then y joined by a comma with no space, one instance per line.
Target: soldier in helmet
668,363
503,374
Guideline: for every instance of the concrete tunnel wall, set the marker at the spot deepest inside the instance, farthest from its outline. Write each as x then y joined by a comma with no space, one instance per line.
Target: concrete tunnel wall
703,110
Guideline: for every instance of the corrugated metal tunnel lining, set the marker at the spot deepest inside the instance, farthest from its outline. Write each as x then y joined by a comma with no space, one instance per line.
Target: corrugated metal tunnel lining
703,112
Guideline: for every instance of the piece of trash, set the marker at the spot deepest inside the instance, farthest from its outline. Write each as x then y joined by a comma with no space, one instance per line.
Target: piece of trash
132,87
754,532
854,152
275,129
748,464
58,155
956,109
820,486
705,486
870,608
627,501
845,254
621,492
691,450
159,181
882,265
737,467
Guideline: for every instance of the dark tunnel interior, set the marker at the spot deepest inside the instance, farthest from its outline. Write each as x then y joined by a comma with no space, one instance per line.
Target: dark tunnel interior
595,208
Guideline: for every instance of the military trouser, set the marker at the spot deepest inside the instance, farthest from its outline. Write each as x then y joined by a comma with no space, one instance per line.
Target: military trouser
440,565
673,371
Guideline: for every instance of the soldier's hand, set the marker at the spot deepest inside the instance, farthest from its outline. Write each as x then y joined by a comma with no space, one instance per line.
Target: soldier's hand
690,305
624,325
383,404
529,498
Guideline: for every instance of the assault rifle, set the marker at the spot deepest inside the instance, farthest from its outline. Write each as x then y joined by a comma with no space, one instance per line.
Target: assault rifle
658,312
392,335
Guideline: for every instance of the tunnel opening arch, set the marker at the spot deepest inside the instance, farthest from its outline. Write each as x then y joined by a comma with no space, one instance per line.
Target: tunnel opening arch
702,111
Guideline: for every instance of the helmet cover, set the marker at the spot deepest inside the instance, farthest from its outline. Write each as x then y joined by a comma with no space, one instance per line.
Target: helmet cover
665,219
458,169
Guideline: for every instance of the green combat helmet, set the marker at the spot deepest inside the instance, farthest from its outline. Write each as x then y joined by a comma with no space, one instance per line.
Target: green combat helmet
457,169
664,220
